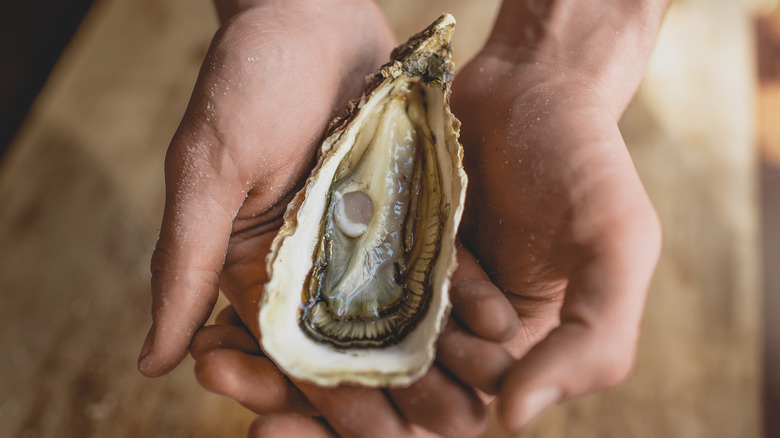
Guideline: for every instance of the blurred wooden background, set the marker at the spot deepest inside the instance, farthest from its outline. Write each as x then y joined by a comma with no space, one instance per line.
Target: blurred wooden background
81,191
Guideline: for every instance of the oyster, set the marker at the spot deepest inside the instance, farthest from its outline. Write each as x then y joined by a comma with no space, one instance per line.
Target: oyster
360,271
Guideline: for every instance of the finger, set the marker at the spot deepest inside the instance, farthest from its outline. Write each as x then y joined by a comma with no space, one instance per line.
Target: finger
567,364
228,316
289,425
356,411
253,381
200,205
244,276
478,303
441,405
473,361
594,347
223,336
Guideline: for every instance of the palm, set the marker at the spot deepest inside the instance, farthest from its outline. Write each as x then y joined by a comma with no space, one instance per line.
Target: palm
552,190
269,87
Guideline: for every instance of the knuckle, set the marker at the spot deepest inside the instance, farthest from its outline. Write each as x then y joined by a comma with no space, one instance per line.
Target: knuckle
473,426
645,228
206,372
168,269
216,374
472,422
159,259
646,223
615,367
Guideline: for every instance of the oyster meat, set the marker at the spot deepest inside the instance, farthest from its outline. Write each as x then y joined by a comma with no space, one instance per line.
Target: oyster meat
360,271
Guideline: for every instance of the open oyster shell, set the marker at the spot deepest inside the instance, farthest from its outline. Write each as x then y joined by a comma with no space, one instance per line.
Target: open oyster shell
360,271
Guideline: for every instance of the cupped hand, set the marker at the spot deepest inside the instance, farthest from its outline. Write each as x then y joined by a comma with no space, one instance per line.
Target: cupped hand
276,74
558,218
445,402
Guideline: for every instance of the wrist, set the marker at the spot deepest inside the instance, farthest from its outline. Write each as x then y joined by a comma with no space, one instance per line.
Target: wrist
603,44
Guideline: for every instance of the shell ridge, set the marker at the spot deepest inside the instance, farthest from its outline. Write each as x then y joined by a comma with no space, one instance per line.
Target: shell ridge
423,61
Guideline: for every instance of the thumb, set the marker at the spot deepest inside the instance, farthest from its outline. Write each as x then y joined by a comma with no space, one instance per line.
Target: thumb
200,205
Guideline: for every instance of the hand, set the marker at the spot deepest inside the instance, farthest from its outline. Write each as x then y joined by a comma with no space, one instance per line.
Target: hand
229,362
558,218
276,74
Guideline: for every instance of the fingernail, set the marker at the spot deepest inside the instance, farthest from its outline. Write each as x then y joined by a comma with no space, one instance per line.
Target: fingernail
539,400
147,347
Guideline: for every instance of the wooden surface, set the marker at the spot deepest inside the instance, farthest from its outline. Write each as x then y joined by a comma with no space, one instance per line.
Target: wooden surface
81,193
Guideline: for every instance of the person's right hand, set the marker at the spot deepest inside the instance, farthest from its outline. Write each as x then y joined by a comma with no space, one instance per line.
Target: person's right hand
276,74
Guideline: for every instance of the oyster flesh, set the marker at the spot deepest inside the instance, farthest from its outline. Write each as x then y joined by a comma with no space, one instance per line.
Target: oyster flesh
360,270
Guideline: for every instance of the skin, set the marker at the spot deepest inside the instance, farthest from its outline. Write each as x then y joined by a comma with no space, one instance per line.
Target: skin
556,214
230,362
275,76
